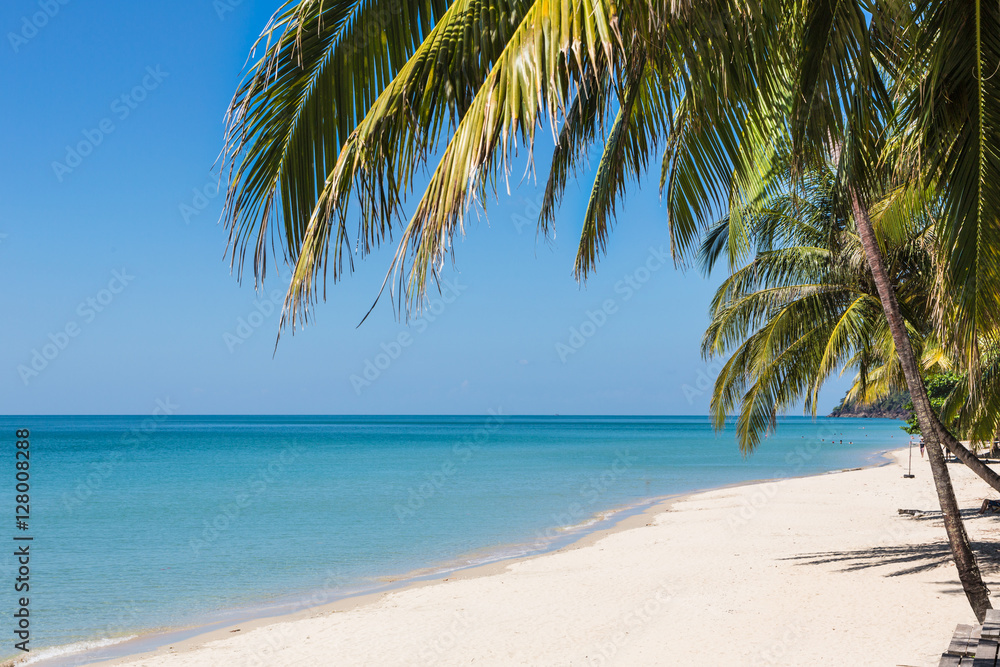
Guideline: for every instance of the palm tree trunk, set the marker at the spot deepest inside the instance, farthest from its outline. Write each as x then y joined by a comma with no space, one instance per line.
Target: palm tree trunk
974,463
930,426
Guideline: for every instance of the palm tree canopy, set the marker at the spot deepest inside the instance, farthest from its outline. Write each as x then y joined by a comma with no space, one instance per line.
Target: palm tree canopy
346,108
350,103
805,306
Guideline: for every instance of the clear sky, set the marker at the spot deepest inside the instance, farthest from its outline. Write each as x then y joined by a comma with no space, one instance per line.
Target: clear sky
114,301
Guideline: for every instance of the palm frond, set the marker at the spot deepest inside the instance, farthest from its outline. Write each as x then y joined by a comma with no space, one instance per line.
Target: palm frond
639,123
583,123
951,98
555,47
324,63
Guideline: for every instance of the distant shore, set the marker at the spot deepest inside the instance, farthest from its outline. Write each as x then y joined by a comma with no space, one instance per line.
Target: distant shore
894,406
773,573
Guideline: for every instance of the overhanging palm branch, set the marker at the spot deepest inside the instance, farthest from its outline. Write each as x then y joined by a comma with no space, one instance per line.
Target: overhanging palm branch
468,83
552,50
950,102
324,64
639,123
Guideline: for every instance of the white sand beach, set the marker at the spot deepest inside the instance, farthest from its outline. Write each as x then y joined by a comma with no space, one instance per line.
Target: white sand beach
810,571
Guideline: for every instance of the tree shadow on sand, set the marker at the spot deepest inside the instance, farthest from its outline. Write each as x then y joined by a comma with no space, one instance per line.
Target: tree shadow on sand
909,558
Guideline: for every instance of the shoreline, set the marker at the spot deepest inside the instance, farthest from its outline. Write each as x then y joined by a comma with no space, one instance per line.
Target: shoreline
783,572
601,525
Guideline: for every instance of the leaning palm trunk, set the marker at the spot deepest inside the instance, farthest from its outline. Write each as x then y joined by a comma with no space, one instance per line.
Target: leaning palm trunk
962,452
933,430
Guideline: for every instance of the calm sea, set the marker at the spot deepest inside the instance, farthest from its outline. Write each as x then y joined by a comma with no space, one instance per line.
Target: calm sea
142,526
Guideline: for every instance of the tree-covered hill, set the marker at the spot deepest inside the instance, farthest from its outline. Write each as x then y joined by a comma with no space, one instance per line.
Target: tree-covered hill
890,407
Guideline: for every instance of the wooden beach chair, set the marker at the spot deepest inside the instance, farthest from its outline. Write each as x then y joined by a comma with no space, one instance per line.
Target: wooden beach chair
974,645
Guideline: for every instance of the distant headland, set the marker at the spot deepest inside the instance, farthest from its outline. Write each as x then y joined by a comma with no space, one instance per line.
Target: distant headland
890,407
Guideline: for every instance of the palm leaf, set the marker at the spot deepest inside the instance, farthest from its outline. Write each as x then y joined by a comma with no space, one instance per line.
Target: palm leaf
640,121
324,63
953,108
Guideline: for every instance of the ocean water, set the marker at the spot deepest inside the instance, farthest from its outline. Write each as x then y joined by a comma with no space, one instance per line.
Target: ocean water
143,526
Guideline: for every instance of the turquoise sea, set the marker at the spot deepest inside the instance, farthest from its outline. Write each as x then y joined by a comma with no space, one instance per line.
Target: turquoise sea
147,525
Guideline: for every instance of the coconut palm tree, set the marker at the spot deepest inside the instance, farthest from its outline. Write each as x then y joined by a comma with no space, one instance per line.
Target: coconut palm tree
805,251
805,306
350,100
856,72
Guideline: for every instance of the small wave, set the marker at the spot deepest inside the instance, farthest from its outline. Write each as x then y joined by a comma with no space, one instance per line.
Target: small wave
606,515
572,528
75,647
497,555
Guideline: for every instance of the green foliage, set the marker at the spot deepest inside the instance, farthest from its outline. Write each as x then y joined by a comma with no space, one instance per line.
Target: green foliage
806,306
352,103
891,405
950,101
763,110
940,387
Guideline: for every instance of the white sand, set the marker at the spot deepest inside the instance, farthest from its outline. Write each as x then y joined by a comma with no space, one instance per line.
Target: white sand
812,571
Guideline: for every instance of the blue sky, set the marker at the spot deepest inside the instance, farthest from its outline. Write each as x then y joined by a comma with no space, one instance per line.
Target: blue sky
114,300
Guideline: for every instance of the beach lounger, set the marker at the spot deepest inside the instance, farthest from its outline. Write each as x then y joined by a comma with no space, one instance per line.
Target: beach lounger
974,645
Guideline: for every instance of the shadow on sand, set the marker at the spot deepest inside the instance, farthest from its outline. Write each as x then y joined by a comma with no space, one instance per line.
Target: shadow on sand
910,558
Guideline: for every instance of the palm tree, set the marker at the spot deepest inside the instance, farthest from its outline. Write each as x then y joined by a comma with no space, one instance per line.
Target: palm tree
805,306
843,105
809,285
350,100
